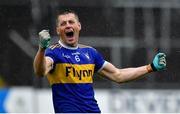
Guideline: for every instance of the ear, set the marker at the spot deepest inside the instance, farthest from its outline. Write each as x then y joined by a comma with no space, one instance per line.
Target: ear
79,26
57,30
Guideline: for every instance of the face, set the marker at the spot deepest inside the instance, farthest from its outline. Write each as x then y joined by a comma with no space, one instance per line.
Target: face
68,29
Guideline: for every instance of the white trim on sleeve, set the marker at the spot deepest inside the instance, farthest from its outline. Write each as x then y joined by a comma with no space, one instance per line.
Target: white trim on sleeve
102,66
51,61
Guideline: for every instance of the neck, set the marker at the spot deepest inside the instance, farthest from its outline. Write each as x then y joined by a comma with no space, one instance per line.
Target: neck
68,46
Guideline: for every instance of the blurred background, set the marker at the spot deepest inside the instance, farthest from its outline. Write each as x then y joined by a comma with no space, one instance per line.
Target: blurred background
127,33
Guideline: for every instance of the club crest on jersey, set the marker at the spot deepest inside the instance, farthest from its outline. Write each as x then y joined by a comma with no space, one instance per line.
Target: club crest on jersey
87,56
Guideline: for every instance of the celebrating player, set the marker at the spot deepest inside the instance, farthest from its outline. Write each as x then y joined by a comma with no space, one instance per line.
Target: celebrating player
70,66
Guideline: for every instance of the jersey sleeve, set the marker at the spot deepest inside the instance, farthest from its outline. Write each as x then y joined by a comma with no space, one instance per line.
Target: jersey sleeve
99,61
49,53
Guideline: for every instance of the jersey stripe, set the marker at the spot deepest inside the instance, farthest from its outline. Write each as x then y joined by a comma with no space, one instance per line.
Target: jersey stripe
72,73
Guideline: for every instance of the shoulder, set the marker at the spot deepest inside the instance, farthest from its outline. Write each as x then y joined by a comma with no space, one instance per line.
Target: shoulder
55,45
88,48
84,46
53,48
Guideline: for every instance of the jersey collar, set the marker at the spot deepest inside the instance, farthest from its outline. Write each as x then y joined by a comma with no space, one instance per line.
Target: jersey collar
68,47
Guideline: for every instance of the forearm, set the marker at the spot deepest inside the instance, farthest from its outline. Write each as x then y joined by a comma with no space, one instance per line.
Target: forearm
129,74
39,62
126,74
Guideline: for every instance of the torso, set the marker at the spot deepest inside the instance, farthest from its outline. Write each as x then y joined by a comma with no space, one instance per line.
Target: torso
72,77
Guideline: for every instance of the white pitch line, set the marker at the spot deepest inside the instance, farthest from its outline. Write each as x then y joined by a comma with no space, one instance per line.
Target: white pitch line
24,45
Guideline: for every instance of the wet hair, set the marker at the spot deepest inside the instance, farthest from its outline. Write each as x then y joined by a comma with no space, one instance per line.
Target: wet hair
64,12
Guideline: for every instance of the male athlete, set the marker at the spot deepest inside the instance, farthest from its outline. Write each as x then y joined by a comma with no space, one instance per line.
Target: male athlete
70,67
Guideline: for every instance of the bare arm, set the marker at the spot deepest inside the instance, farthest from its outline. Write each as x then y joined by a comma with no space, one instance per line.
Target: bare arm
126,74
42,65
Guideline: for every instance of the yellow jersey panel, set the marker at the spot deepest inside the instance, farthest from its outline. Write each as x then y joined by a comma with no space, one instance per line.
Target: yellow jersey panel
72,73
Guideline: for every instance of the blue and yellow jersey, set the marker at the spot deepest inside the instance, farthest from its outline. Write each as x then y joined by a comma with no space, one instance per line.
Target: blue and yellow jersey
71,77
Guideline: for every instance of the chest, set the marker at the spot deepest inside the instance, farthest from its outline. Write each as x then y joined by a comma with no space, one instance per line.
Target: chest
75,57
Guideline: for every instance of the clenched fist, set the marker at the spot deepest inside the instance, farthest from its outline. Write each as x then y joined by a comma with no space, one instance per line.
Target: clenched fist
44,39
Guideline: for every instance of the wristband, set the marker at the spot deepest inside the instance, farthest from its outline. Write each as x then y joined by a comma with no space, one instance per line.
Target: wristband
153,67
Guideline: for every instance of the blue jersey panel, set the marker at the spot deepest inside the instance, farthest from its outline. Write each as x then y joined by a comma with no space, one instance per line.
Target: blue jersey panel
71,78
79,56
74,98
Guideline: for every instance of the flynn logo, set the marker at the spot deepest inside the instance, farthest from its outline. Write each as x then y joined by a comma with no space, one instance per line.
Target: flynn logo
72,73
78,73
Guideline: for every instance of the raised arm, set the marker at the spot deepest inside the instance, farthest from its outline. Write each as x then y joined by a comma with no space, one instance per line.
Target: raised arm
42,65
128,74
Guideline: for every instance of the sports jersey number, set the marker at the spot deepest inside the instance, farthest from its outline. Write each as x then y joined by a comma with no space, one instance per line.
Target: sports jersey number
77,58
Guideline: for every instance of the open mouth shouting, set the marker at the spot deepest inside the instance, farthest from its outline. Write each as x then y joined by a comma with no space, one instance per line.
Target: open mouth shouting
69,34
